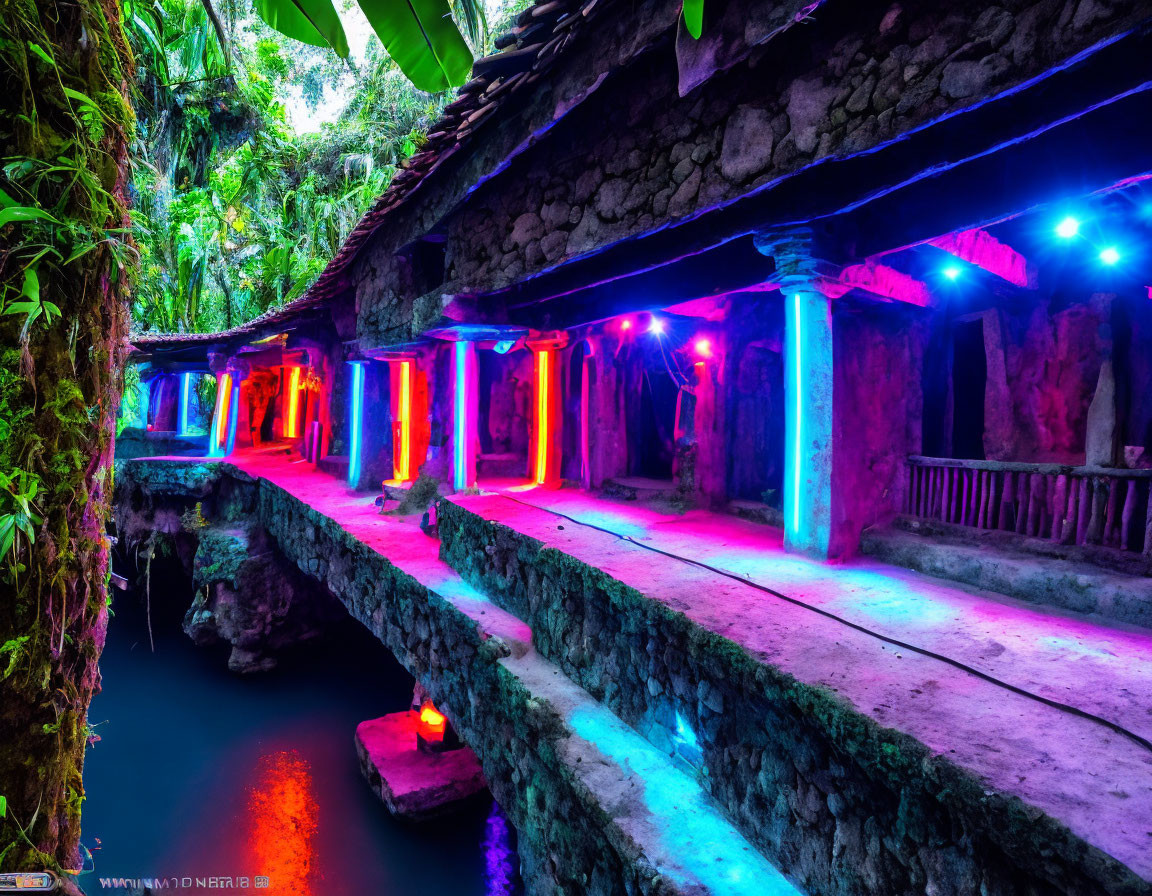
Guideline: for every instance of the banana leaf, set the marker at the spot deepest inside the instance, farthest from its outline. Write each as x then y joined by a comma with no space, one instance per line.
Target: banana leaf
422,39
312,22
694,17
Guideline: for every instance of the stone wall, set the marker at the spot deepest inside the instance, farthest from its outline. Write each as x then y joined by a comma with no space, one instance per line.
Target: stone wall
636,155
878,408
839,803
246,593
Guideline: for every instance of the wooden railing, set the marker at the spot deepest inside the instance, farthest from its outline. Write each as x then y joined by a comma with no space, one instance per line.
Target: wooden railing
1068,505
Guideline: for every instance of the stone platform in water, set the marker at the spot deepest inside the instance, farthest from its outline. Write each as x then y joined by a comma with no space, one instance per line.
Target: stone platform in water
413,784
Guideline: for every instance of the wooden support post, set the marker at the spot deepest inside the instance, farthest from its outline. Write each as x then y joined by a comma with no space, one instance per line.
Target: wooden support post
1111,536
1035,499
1095,534
1129,512
1071,513
1007,499
1085,511
1148,527
1059,507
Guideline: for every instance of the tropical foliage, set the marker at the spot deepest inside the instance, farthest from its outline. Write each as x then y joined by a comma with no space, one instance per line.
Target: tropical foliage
237,210
65,125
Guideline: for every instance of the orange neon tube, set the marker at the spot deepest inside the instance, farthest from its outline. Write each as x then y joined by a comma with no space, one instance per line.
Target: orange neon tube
404,468
542,417
291,403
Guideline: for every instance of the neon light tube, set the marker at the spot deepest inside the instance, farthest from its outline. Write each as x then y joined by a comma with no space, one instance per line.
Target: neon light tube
219,432
404,467
542,384
291,402
354,437
460,470
797,442
185,394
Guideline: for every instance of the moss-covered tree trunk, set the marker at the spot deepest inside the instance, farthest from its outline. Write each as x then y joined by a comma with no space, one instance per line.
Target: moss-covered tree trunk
64,128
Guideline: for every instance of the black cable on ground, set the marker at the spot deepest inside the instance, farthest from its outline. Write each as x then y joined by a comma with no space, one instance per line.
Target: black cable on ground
964,667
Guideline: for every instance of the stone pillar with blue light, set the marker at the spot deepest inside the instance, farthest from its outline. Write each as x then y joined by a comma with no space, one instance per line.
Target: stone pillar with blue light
808,388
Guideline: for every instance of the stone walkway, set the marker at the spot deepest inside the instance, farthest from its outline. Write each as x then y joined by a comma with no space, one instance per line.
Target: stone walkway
1095,781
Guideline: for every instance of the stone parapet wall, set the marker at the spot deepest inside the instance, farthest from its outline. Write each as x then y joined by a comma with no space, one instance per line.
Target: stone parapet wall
839,803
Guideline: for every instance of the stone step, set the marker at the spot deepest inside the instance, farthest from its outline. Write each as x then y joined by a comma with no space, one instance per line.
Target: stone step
501,466
997,561
640,488
655,811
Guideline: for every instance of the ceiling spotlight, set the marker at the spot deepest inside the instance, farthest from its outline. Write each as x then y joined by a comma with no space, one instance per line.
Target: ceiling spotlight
626,324
1110,256
951,272
703,348
1068,228
656,326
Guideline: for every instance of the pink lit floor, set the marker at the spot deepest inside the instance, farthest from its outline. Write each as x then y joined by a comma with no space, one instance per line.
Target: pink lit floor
1094,780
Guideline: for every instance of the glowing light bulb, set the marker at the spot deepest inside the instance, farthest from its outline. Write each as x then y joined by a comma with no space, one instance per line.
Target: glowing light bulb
1068,228
626,324
657,326
1110,256
703,348
951,272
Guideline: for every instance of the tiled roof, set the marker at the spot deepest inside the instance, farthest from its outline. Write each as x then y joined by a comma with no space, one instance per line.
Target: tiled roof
271,317
524,54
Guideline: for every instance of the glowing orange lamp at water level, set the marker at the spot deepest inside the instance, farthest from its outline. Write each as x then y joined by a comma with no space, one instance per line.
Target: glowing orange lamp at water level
542,399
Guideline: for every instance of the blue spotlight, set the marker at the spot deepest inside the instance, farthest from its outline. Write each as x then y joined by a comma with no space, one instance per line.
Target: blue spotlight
1068,228
656,326
951,272
1110,255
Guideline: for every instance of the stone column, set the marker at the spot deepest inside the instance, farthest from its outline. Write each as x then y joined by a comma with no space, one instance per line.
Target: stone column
808,389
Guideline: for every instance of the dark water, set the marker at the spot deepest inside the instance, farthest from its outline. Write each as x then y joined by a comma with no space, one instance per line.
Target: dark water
200,772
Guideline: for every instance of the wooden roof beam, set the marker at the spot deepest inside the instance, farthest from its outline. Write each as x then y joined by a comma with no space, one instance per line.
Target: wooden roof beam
981,249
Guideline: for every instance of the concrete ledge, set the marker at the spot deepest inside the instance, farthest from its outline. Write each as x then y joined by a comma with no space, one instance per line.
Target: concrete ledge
414,785
855,768
995,566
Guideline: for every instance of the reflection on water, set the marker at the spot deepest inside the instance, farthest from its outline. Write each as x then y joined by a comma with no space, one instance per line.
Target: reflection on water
501,860
201,772
282,810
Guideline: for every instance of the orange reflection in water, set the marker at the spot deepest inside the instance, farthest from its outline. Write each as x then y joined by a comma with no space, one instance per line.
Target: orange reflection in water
282,811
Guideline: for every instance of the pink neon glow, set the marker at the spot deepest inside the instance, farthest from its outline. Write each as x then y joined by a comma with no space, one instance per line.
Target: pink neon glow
626,324
703,347
980,248
880,280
